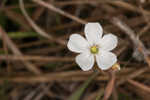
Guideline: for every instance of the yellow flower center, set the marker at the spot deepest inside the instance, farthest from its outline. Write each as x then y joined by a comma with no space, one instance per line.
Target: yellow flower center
94,49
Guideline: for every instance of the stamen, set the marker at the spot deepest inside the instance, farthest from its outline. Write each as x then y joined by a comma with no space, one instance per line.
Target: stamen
94,49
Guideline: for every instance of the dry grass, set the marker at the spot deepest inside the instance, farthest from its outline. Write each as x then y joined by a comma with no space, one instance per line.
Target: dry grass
35,63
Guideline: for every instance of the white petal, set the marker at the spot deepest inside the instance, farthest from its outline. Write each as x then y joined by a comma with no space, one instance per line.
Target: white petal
77,43
105,59
93,32
108,42
85,61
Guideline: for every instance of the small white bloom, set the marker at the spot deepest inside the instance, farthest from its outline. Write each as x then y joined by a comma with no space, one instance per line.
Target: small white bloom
95,47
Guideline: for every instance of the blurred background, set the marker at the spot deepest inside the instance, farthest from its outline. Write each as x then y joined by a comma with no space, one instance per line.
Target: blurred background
35,63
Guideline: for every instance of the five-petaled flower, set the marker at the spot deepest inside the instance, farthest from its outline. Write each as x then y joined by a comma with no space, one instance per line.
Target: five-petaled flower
94,48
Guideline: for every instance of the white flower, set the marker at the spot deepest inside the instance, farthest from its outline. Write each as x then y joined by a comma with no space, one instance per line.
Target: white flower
94,48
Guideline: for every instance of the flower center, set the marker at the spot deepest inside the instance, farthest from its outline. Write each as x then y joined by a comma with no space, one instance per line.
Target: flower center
94,49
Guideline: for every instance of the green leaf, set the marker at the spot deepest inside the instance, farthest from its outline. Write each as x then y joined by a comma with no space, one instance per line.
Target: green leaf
19,35
78,93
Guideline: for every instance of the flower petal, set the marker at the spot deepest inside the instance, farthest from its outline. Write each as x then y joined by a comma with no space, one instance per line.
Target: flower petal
77,43
106,59
85,61
108,42
93,32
